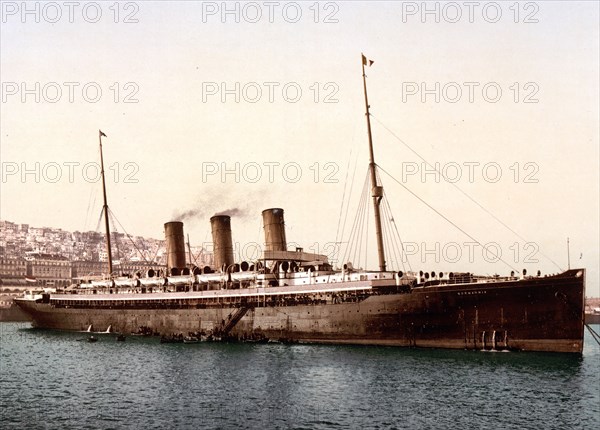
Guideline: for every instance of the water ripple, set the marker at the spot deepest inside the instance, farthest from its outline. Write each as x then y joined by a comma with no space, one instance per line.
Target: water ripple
57,380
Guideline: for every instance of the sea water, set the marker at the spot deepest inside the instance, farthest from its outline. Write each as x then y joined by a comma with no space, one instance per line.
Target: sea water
51,379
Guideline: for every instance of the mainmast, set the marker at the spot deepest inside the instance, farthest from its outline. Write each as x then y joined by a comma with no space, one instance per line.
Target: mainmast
377,190
105,207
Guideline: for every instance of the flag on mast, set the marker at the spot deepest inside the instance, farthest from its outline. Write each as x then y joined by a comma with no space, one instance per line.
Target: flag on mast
102,134
367,62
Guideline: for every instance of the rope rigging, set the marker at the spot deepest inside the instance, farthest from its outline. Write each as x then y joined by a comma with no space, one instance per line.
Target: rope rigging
353,248
114,218
396,244
357,246
340,235
594,334
447,219
114,221
460,189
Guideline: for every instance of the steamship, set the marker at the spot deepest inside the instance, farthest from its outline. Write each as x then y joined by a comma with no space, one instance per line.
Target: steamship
299,296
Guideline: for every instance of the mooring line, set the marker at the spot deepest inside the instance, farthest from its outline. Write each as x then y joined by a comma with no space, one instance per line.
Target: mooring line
595,335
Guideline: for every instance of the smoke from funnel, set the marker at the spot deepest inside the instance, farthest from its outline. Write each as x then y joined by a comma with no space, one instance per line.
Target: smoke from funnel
233,212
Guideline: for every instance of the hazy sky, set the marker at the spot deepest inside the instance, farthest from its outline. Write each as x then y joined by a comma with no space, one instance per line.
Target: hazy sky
261,105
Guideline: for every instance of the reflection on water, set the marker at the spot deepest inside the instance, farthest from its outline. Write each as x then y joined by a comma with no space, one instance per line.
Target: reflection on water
56,379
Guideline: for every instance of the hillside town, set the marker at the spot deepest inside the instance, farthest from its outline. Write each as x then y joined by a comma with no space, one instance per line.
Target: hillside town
52,257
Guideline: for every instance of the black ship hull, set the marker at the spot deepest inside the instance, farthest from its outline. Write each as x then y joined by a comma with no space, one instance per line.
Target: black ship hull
534,314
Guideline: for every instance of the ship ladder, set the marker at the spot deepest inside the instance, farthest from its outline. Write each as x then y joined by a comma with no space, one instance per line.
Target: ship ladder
235,318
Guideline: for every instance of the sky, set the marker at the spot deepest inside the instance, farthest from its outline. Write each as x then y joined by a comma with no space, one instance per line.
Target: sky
242,106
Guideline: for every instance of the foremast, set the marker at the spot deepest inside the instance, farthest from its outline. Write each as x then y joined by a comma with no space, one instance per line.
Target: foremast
377,190
105,207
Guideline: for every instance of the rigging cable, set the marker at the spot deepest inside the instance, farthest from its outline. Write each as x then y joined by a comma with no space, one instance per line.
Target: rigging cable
595,335
153,260
392,221
99,219
385,231
348,202
366,224
364,212
114,218
461,190
115,241
353,242
91,204
390,238
354,236
447,219
337,233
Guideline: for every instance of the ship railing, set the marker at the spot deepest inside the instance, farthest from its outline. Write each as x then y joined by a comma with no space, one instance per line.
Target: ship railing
106,295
